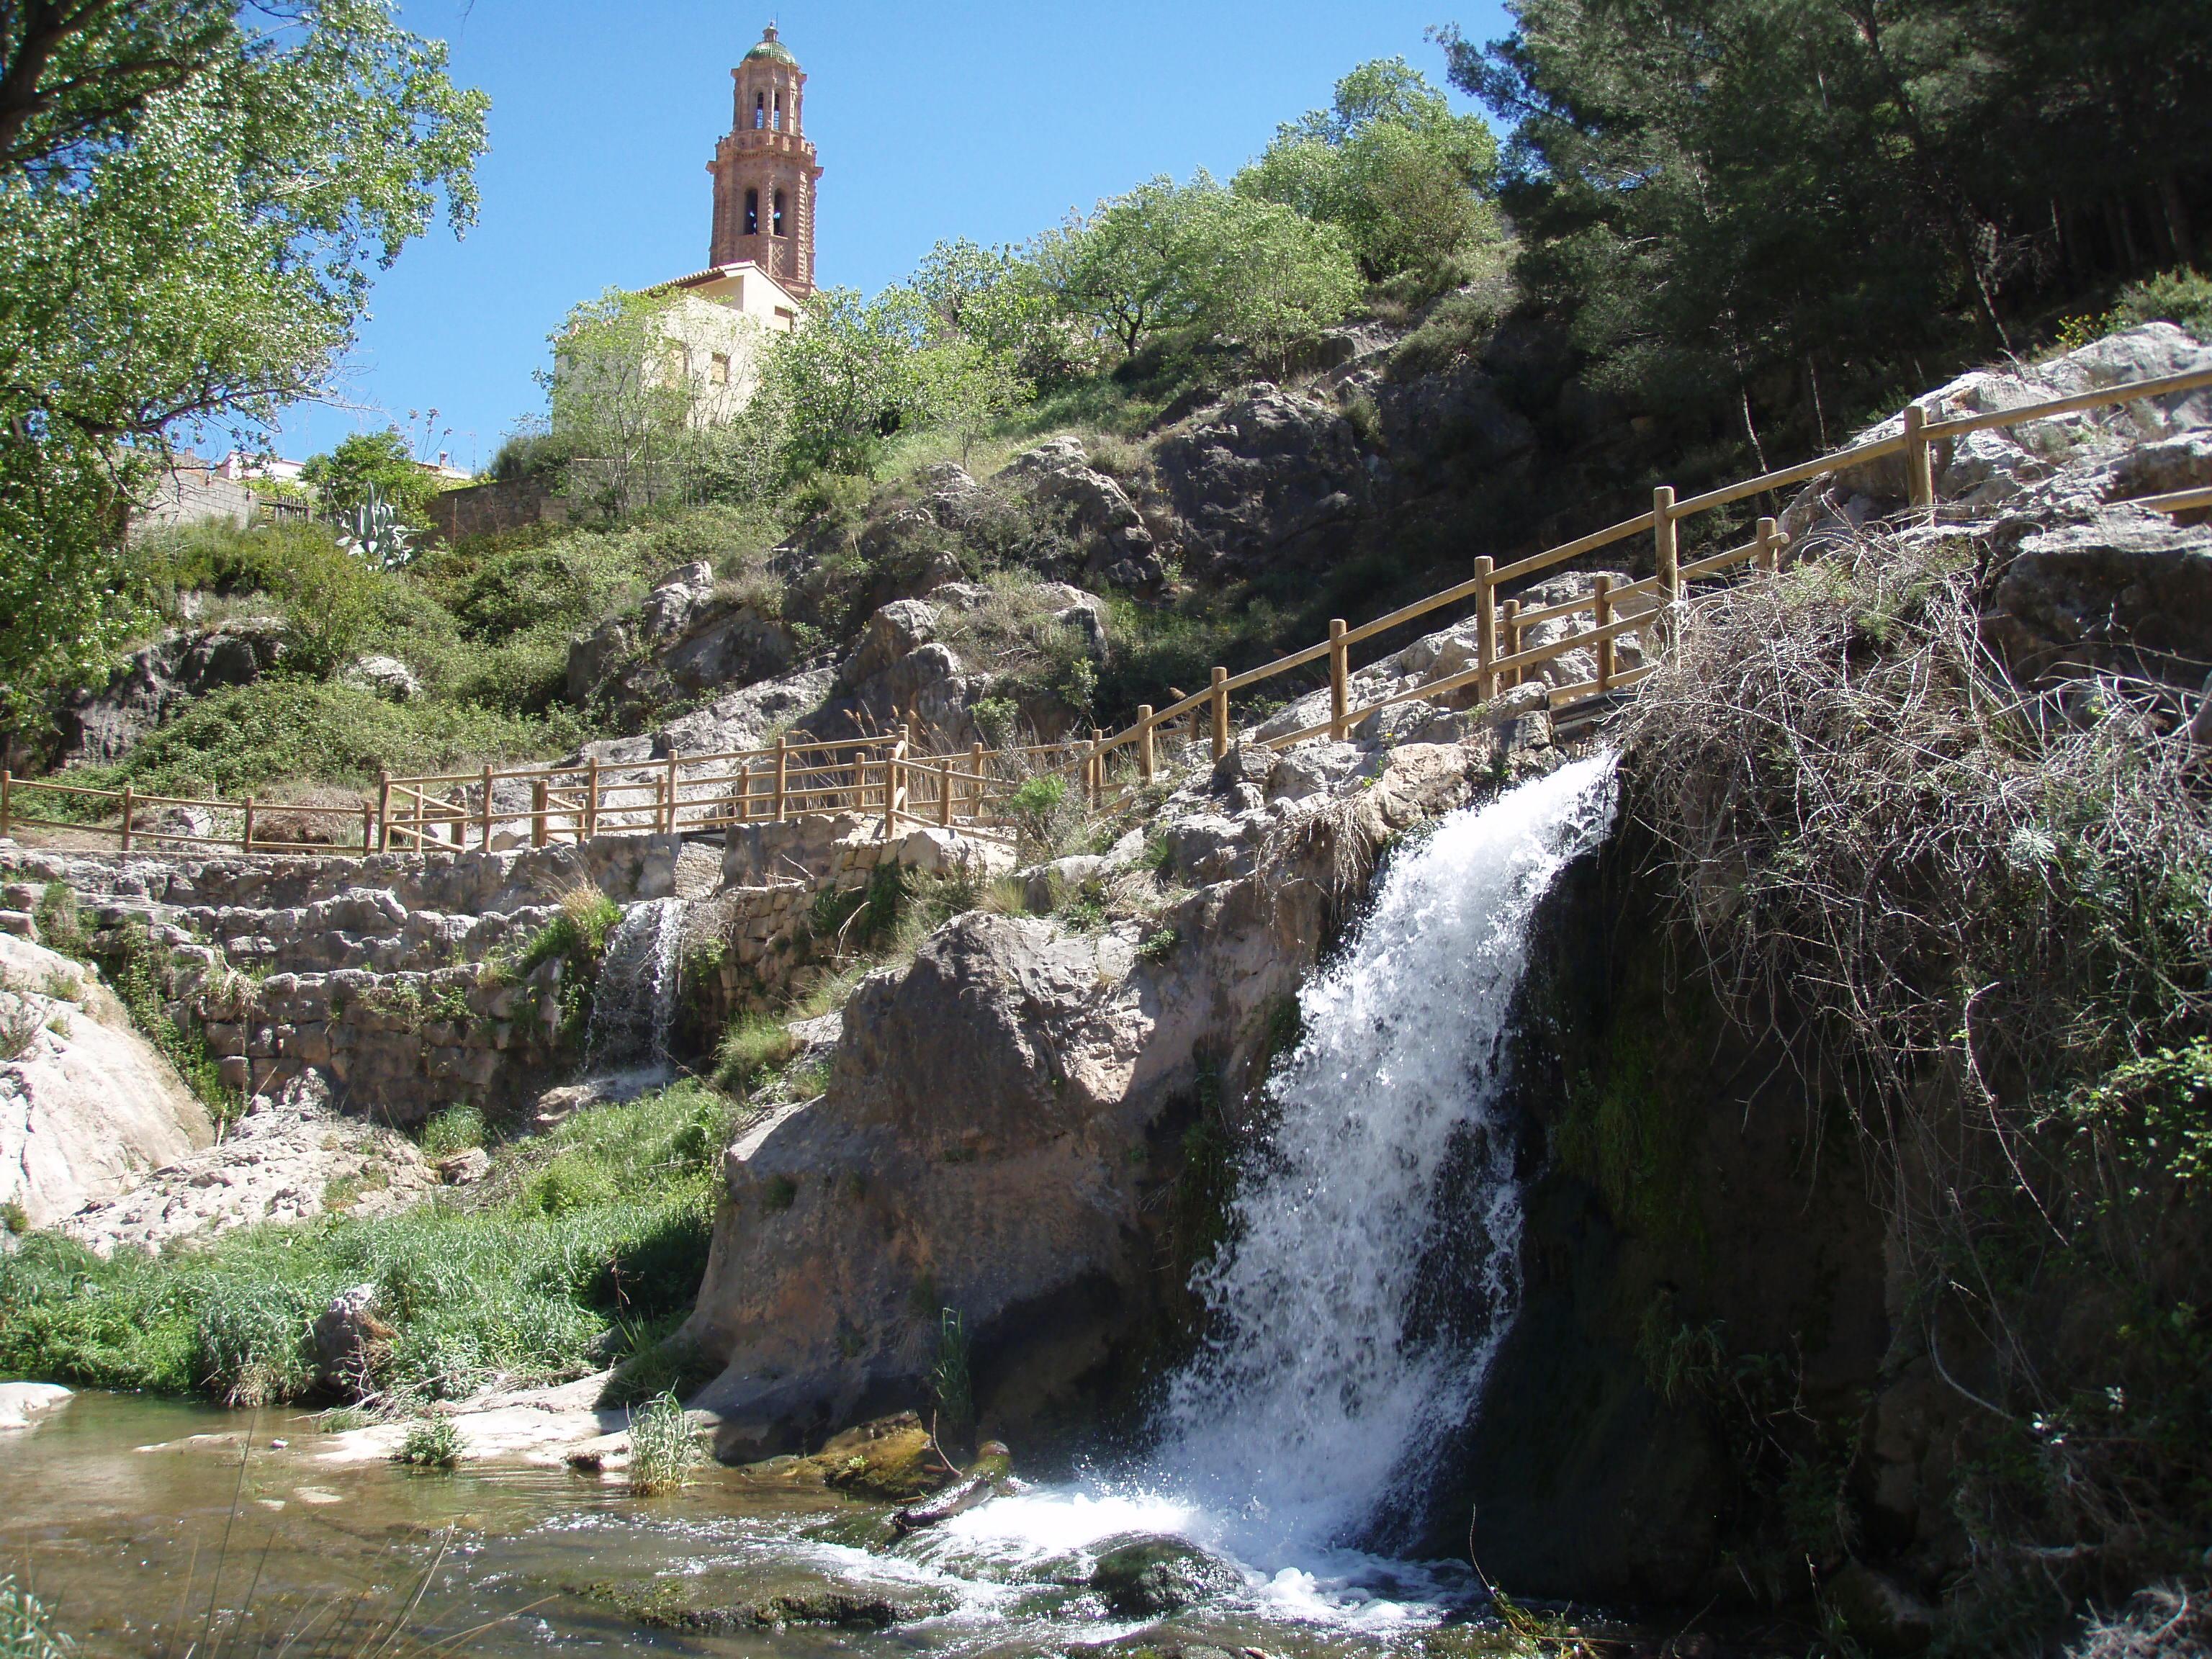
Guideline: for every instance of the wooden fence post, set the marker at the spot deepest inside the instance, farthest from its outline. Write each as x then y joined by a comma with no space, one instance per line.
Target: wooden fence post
538,794
782,774
1340,678
246,841
890,785
1769,557
1144,759
976,788
1665,546
1602,617
1486,630
7,804
591,823
1220,708
668,828
1919,460
127,816
1097,768
367,829
383,810
1508,639
483,818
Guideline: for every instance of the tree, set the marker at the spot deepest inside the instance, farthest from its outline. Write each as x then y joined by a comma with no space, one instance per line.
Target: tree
369,460
834,390
968,388
1389,163
192,198
998,299
1767,209
621,396
1170,258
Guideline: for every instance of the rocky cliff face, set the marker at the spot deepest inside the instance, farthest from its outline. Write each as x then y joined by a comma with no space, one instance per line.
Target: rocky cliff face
1003,1133
87,1105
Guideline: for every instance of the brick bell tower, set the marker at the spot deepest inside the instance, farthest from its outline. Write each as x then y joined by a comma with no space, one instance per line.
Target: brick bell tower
765,171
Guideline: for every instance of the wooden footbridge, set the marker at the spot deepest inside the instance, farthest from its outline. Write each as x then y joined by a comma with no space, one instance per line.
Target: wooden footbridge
896,779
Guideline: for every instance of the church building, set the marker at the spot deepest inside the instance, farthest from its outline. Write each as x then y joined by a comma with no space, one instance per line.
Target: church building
760,254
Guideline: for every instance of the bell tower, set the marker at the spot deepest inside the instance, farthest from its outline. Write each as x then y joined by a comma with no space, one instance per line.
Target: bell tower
765,171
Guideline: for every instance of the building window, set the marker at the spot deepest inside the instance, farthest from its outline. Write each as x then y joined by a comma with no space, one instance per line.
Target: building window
759,110
786,317
779,213
752,213
718,370
778,122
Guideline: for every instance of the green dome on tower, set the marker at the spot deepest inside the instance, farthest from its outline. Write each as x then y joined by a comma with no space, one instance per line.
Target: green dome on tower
771,47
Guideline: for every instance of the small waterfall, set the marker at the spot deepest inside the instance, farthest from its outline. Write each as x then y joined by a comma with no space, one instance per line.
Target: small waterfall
634,1003
1324,1381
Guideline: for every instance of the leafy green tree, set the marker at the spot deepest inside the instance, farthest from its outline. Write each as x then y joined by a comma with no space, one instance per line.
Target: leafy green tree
1173,259
836,389
998,299
1390,163
369,460
621,398
193,195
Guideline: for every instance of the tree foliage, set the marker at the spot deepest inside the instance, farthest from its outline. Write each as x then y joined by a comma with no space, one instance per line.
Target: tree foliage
193,195
1737,202
1168,258
836,389
1389,163
369,460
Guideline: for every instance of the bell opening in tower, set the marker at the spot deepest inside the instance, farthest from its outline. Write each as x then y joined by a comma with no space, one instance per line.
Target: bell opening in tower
752,213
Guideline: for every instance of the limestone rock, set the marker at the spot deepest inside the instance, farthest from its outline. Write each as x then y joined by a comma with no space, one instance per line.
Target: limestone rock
387,677
1057,472
351,1341
159,679
23,1404
86,1104
687,640
895,630
288,1158
2126,589
1269,471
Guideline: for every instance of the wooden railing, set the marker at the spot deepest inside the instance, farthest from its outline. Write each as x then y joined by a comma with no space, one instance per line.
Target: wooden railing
901,785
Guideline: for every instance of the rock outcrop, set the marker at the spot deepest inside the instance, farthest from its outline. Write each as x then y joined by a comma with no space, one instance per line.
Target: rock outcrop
1004,1114
158,679
87,1105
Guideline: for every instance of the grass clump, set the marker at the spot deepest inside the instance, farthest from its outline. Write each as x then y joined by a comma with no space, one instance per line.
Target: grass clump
456,1129
661,1450
530,1278
754,1048
27,1629
432,1443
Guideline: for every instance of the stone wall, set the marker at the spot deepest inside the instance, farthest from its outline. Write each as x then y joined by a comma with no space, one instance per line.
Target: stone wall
487,509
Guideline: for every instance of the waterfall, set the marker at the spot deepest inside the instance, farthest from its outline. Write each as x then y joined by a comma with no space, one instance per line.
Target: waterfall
1325,1379
634,1003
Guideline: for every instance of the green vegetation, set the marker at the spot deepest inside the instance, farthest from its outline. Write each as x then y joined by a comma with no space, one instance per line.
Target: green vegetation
456,1129
1766,218
1995,920
432,1443
952,1383
558,1263
371,462
661,1450
134,966
27,1629
235,174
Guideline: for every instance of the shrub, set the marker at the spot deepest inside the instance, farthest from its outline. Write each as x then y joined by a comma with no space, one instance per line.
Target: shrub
2182,297
27,1629
59,929
661,1449
432,1443
755,1046
456,1129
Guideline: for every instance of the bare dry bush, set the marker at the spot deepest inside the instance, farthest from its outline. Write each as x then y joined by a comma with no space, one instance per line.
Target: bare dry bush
1990,910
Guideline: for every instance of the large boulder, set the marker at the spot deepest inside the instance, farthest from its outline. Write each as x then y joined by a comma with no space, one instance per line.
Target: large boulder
2123,590
689,638
1058,473
87,1105
157,680
1271,470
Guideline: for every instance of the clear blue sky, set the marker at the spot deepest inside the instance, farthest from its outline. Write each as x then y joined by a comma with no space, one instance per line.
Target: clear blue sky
987,119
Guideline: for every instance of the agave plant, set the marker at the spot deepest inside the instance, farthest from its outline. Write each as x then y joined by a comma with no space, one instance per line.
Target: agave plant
372,532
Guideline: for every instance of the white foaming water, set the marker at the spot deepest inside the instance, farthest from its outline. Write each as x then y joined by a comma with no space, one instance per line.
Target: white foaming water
1321,1380
1325,1377
634,1003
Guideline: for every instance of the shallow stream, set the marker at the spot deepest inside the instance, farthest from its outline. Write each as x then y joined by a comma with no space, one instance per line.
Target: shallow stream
144,1525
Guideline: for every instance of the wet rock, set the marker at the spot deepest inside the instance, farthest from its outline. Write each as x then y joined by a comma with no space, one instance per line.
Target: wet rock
1143,1577
987,1478
893,1460
465,1169
1881,1614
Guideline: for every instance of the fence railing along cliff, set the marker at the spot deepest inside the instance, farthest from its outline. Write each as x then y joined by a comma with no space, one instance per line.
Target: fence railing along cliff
901,785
